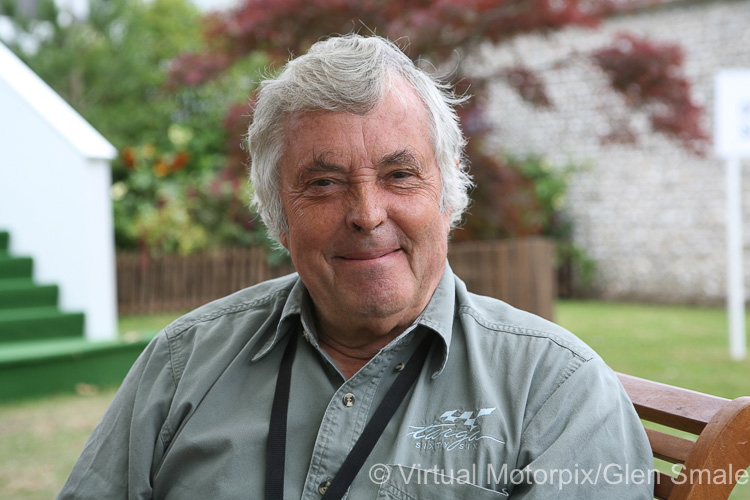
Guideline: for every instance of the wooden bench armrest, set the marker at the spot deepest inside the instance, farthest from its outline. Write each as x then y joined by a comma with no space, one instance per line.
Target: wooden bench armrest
672,406
714,463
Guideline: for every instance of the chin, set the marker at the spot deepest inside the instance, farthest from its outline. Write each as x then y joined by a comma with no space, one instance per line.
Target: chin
378,306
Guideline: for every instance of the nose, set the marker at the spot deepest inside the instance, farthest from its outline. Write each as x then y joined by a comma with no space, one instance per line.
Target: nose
366,209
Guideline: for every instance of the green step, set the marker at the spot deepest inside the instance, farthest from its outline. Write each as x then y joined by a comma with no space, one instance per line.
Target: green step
4,241
20,293
32,323
44,367
15,267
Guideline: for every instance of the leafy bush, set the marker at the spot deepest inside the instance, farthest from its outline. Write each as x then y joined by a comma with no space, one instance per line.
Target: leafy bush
520,196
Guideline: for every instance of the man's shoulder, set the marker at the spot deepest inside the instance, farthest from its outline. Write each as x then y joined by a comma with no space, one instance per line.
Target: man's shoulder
262,300
502,322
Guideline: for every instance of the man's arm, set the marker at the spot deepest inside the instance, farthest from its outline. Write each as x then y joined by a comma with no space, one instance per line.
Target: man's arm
118,458
586,442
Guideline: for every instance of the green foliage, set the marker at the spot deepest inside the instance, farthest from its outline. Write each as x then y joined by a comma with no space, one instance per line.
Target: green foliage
526,196
550,188
549,185
150,206
169,191
165,207
111,67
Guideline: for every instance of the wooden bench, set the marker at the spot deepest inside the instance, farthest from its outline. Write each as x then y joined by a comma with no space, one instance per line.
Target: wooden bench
713,463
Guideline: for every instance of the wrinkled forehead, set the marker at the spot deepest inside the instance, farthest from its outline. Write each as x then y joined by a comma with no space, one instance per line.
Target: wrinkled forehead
399,104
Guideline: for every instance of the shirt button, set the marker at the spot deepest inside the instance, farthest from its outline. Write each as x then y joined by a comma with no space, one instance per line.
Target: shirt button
400,367
324,487
348,400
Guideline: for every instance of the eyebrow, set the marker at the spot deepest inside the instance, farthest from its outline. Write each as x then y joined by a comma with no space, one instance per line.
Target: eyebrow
404,157
319,164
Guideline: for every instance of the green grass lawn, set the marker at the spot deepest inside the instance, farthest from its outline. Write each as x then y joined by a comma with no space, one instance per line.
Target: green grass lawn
41,439
683,346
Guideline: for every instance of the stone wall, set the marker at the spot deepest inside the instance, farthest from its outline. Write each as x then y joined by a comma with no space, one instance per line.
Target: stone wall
651,215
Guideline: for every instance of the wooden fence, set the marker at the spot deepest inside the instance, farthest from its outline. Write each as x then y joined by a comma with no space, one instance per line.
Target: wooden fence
520,272
176,282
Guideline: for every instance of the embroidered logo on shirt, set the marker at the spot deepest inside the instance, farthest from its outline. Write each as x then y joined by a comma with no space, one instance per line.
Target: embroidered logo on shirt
453,430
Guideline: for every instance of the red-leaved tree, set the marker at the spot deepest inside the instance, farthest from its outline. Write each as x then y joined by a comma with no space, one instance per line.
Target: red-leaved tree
646,74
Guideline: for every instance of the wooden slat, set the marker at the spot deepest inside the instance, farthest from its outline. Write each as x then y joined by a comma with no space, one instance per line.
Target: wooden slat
663,484
675,407
670,448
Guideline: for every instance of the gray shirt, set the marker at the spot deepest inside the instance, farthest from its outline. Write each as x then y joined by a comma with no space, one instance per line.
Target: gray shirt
507,404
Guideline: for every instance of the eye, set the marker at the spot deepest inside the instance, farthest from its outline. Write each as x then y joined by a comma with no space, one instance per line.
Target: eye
401,174
321,182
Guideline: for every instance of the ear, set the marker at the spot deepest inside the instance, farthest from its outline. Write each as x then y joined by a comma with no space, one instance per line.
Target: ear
448,213
284,239
447,221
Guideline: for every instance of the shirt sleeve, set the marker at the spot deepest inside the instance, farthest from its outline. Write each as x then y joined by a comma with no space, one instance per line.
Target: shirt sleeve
585,442
118,458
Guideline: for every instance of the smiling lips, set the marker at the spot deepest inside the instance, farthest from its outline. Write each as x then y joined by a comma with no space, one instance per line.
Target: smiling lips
367,255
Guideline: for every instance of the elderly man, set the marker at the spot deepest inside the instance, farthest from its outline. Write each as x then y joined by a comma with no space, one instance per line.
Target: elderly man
373,372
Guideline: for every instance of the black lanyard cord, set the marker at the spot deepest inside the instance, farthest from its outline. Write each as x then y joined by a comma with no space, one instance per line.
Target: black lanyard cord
277,427
364,445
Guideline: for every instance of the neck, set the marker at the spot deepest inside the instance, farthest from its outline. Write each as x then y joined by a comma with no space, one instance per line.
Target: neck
351,352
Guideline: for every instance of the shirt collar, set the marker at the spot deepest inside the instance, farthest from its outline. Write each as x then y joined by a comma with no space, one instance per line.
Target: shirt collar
289,320
437,316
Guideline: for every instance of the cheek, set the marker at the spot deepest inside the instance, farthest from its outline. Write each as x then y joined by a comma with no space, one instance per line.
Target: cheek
424,227
311,226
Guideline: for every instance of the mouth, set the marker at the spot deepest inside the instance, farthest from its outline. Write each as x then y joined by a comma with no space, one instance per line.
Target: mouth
367,255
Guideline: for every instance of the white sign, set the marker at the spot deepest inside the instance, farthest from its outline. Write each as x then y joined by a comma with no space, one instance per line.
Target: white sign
732,141
732,116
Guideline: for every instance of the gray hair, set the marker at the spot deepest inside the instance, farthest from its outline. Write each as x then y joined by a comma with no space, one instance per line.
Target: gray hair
350,74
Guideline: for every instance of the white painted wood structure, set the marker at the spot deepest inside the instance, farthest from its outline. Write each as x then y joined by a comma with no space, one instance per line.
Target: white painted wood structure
55,195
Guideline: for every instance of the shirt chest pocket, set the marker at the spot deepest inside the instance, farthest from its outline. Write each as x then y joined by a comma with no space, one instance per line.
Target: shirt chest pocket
398,482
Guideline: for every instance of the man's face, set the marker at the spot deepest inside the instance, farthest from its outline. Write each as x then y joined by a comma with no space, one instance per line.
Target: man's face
362,198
